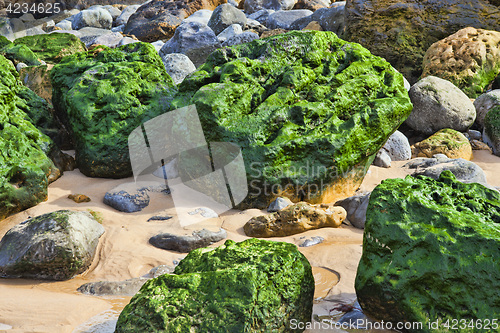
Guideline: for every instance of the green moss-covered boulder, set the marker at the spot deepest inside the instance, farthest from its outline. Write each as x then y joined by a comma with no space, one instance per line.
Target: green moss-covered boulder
25,169
492,129
308,109
431,252
401,31
52,47
18,53
252,286
446,141
104,94
53,246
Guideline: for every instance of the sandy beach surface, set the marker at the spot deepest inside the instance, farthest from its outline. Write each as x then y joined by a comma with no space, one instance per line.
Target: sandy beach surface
124,252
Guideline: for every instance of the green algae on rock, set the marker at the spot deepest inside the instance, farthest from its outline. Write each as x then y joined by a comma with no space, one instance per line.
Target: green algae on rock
446,141
492,129
18,53
104,94
25,169
53,246
252,286
52,47
431,252
309,110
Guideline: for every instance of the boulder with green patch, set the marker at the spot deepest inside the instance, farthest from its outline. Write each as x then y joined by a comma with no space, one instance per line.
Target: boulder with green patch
431,252
25,169
104,94
51,48
53,246
309,110
491,132
252,286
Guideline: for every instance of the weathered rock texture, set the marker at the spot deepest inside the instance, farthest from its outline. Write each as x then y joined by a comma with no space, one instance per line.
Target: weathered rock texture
53,246
470,59
158,19
430,252
309,110
104,94
252,286
294,219
25,168
402,31
446,141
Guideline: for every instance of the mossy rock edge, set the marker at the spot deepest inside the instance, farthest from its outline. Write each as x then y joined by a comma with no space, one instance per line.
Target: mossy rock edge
251,286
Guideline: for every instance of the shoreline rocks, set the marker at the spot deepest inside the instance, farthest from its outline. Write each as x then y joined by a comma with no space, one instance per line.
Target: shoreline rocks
53,246
420,234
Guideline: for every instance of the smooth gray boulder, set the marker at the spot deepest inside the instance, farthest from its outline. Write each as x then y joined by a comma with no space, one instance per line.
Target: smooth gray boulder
53,246
252,6
278,204
485,103
111,40
88,34
125,14
194,39
398,147
283,19
465,171
178,66
95,18
225,15
439,104
356,207
65,25
244,37
184,244
232,30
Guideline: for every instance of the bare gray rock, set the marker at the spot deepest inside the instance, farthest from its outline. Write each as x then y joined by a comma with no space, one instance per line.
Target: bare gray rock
439,104
184,244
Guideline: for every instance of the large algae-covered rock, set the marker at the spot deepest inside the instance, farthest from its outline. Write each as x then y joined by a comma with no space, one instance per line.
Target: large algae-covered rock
252,286
17,53
25,169
431,253
308,109
103,95
470,58
53,246
401,31
52,47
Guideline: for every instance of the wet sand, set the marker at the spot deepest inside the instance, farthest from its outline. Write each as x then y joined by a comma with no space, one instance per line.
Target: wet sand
124,252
